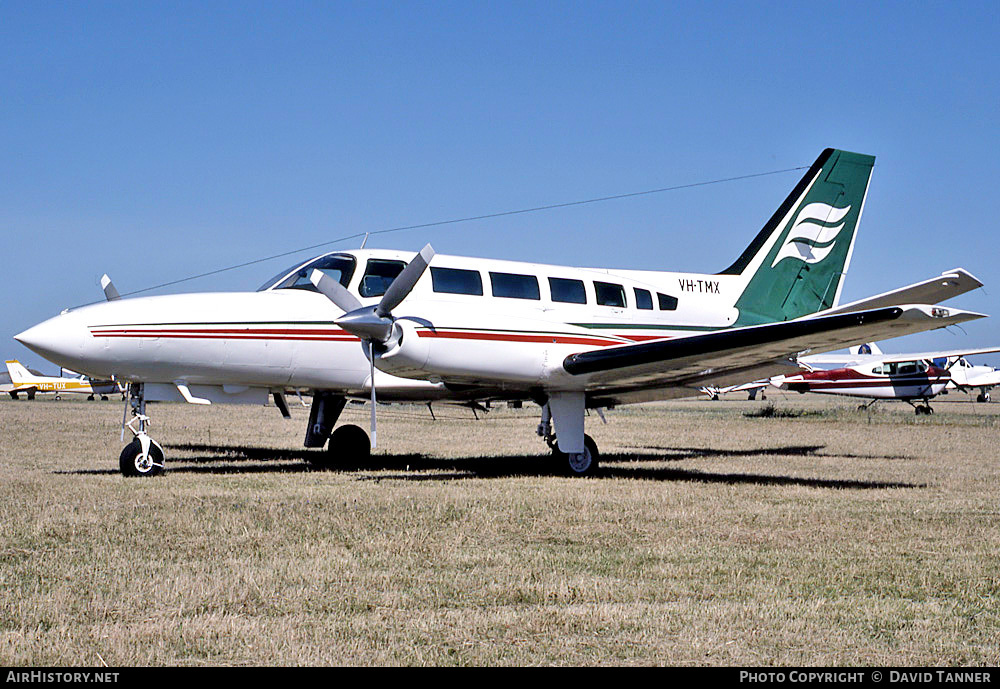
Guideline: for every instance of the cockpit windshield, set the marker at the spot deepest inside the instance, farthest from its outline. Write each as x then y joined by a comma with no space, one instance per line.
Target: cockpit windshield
338,266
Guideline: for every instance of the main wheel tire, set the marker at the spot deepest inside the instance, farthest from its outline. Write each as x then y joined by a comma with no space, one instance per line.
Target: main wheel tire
585,463
131,463
983,397
349,446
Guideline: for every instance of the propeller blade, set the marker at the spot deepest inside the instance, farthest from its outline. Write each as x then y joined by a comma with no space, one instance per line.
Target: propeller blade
371,358
404,282
110,293
334,291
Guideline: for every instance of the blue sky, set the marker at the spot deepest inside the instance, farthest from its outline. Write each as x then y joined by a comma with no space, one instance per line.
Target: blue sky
155,141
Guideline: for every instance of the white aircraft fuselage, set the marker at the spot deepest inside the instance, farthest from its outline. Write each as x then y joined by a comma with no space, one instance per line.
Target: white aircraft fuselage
286,338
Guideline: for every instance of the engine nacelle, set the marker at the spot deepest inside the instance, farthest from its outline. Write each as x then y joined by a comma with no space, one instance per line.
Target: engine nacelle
471,355
406,354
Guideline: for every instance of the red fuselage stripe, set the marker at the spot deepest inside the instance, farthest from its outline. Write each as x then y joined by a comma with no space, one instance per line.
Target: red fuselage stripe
507,337
326,335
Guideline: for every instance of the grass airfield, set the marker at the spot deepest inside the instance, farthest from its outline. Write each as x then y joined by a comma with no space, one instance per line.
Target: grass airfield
818,536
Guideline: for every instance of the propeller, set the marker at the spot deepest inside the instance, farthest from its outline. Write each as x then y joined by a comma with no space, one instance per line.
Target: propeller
110,293
374,325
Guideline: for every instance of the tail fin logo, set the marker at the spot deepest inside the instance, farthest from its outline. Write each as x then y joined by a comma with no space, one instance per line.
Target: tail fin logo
814,233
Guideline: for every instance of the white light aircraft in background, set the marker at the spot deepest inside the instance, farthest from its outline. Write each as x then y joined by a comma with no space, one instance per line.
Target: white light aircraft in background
868,372
349,324
23,380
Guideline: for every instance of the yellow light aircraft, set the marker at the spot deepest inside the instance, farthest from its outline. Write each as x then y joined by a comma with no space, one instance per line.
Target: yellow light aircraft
23,380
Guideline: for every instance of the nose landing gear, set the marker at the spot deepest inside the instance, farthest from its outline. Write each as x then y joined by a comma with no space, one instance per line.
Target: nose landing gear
143,456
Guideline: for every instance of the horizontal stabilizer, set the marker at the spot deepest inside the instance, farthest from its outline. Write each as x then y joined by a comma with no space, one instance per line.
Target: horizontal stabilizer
933,291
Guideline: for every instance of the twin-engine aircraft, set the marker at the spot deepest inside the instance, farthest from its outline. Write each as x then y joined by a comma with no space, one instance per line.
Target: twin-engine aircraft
427,327
867,372
24,381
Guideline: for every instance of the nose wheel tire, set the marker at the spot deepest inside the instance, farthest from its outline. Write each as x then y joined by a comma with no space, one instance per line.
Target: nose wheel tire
132,463
578,463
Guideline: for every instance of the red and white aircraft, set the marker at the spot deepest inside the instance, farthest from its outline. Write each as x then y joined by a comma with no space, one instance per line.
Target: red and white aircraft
867,372
907,380
427,327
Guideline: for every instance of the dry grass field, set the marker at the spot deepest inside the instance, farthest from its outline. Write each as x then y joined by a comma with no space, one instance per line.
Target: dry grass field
826,537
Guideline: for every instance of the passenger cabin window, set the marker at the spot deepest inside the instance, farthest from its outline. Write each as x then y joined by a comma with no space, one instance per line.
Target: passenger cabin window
667,303
379,274
514,286
643,299
339,267
609,294
567,291
900,368
457,281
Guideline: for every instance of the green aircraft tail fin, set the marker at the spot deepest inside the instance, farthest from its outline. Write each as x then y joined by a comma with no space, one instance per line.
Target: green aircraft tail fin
797,263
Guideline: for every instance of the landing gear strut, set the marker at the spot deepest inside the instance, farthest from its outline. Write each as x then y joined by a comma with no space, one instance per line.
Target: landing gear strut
143,456
582,463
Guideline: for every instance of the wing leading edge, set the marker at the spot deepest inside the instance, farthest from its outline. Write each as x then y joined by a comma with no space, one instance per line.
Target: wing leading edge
655,370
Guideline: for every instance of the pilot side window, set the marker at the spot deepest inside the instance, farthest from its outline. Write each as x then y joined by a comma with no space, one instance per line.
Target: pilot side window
340,268
514,286
609,294
567,291
457,281
379,274
643,299
667,303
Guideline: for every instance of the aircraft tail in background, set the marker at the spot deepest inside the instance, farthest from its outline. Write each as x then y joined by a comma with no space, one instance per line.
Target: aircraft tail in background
19,375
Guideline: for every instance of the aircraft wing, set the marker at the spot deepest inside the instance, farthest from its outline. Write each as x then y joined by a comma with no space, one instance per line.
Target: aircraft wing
854,359
983,380
950,283
663,369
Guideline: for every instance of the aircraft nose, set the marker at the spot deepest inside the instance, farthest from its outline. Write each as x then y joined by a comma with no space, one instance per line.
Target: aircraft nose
59,339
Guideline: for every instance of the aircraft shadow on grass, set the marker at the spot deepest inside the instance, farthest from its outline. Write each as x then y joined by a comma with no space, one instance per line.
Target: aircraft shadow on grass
238,459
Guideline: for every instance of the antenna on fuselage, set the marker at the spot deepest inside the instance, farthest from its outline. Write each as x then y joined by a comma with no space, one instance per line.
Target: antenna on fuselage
365,240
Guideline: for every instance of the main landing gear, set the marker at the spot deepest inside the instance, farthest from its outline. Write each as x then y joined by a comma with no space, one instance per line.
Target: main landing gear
348,445
143,456
983,396
574,453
